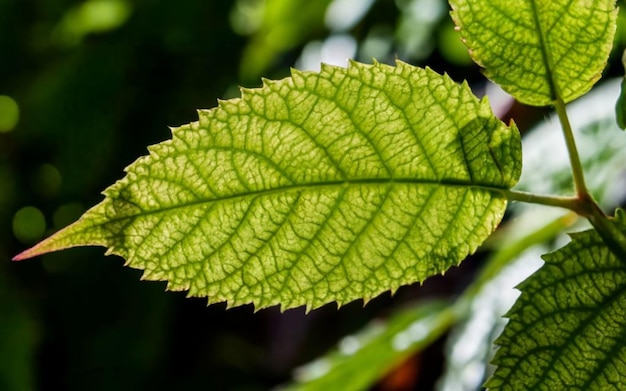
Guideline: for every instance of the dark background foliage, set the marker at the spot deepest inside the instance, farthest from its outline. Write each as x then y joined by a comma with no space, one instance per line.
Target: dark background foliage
91,96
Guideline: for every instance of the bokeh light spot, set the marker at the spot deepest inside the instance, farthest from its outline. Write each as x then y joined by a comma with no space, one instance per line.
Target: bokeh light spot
29,225
92,16
67,214
451,46
342,15
9,113
247,16
335,50
47,180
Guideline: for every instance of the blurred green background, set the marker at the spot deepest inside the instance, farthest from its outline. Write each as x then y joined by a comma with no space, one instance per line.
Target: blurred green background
85,87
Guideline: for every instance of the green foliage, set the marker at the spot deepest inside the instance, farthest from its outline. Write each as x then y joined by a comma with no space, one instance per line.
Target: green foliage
378,347
274,27
566,330
539,50
340,185
279,197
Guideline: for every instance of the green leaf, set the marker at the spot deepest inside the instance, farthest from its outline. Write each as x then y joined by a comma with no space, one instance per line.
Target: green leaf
538,50
566,331
378,348
321,187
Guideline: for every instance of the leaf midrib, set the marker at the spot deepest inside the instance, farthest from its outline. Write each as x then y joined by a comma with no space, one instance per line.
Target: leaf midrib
316,185
545,54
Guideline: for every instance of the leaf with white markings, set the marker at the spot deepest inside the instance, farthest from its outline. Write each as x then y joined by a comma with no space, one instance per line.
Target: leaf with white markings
321,187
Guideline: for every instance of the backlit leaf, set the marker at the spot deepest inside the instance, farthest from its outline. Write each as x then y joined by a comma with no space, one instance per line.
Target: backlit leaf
321,187
566,331
538,50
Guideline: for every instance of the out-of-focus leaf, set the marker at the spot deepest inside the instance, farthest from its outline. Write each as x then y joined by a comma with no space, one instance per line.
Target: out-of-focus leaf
364,358
91,16
470,345
284,25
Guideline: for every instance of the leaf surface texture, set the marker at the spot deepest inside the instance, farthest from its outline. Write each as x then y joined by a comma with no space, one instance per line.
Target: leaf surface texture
320,187
567,329
538,50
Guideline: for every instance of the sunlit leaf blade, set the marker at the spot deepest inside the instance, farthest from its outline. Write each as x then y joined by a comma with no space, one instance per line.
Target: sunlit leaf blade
379,347
321,187
567,330
537,50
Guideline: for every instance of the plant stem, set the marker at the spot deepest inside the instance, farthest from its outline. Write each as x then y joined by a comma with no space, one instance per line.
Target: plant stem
577,168
612,236
584,204
571,203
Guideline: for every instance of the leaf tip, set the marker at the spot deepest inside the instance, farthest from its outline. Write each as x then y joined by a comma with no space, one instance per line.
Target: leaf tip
38,249
21,256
